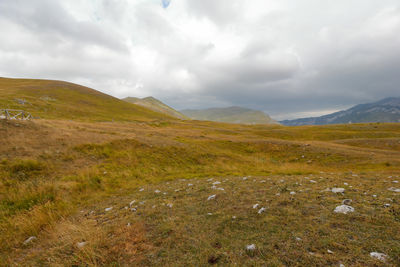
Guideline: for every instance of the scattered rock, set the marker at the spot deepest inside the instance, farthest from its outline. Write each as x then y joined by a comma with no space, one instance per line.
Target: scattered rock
379,256
397,190
345,183
346,201
217,182
108,209
211,197
251,247
338,190
255,206
344,209
298,239
293,193
387,205
29,240
141,189
170,205
233,217
190,184
330,251
261,210
312,181
131,203
81,244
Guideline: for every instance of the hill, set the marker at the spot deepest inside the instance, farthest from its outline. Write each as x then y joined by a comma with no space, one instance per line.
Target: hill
63,100
386,110
156,105
230,115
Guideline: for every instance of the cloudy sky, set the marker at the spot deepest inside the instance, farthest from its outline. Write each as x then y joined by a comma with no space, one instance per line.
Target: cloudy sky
288,58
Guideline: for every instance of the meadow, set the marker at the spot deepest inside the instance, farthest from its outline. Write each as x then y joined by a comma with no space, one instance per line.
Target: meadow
58,176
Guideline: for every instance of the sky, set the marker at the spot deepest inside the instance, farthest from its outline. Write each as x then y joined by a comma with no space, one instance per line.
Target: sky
288,58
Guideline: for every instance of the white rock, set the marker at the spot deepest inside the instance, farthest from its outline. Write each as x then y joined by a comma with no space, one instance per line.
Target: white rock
131,203
29,240
209,180
211,197
379,256
141,189
262,210
345,183
233,217
157,191
133,209
190,184
312,181
81,244
396,182
209,214
217,182
255,206
374,195
338,190
244,178
251,247
293,193
341,265
108,209
387,205
170,205
397,190
330,251
277,194
344,209
298,239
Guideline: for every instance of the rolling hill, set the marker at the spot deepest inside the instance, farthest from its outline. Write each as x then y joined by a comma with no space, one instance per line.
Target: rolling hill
155,105
63,100
230,115
385,110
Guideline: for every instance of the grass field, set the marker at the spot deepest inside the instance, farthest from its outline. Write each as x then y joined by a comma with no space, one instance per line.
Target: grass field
58,176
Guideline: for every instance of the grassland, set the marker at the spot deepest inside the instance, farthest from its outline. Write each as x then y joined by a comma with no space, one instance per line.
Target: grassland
58,176
49,99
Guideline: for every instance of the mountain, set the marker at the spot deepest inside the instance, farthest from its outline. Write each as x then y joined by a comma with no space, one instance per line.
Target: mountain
230,115
63,100
386,110
156,105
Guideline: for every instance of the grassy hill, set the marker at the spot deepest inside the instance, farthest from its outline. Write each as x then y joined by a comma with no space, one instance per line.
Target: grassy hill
230,115
62,100
156,105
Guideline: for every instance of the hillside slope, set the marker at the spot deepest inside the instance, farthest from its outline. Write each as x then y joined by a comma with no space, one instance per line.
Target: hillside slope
230,115
63,100
156,105
386,110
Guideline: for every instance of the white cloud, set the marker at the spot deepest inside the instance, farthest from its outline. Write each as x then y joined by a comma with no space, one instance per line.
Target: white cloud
284,57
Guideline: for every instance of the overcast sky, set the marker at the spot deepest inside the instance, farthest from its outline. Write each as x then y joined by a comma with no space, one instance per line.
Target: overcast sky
288,58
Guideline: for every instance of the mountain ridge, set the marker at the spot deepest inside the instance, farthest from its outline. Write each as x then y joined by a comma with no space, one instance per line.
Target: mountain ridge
384,110
232,114
155,105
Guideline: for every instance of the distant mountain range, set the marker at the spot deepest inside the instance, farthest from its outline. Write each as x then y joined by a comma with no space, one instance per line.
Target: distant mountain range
155,105
386,110
230,115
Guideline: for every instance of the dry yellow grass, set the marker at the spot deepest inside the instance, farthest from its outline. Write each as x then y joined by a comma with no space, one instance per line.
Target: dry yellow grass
52,169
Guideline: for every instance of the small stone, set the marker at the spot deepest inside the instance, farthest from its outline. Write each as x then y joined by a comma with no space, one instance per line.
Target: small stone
330,251
209,214
255,206
108,209
81,244
345,183
128,225
217,182
141,189
170,205
261,210
293,193
397,190
233,217
131,203
312,181
396,182
338,190
211,197
251,247
133,209
298,239
29,240
379,256
157,191
387,205
346,201
374,195
344,209
190,184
